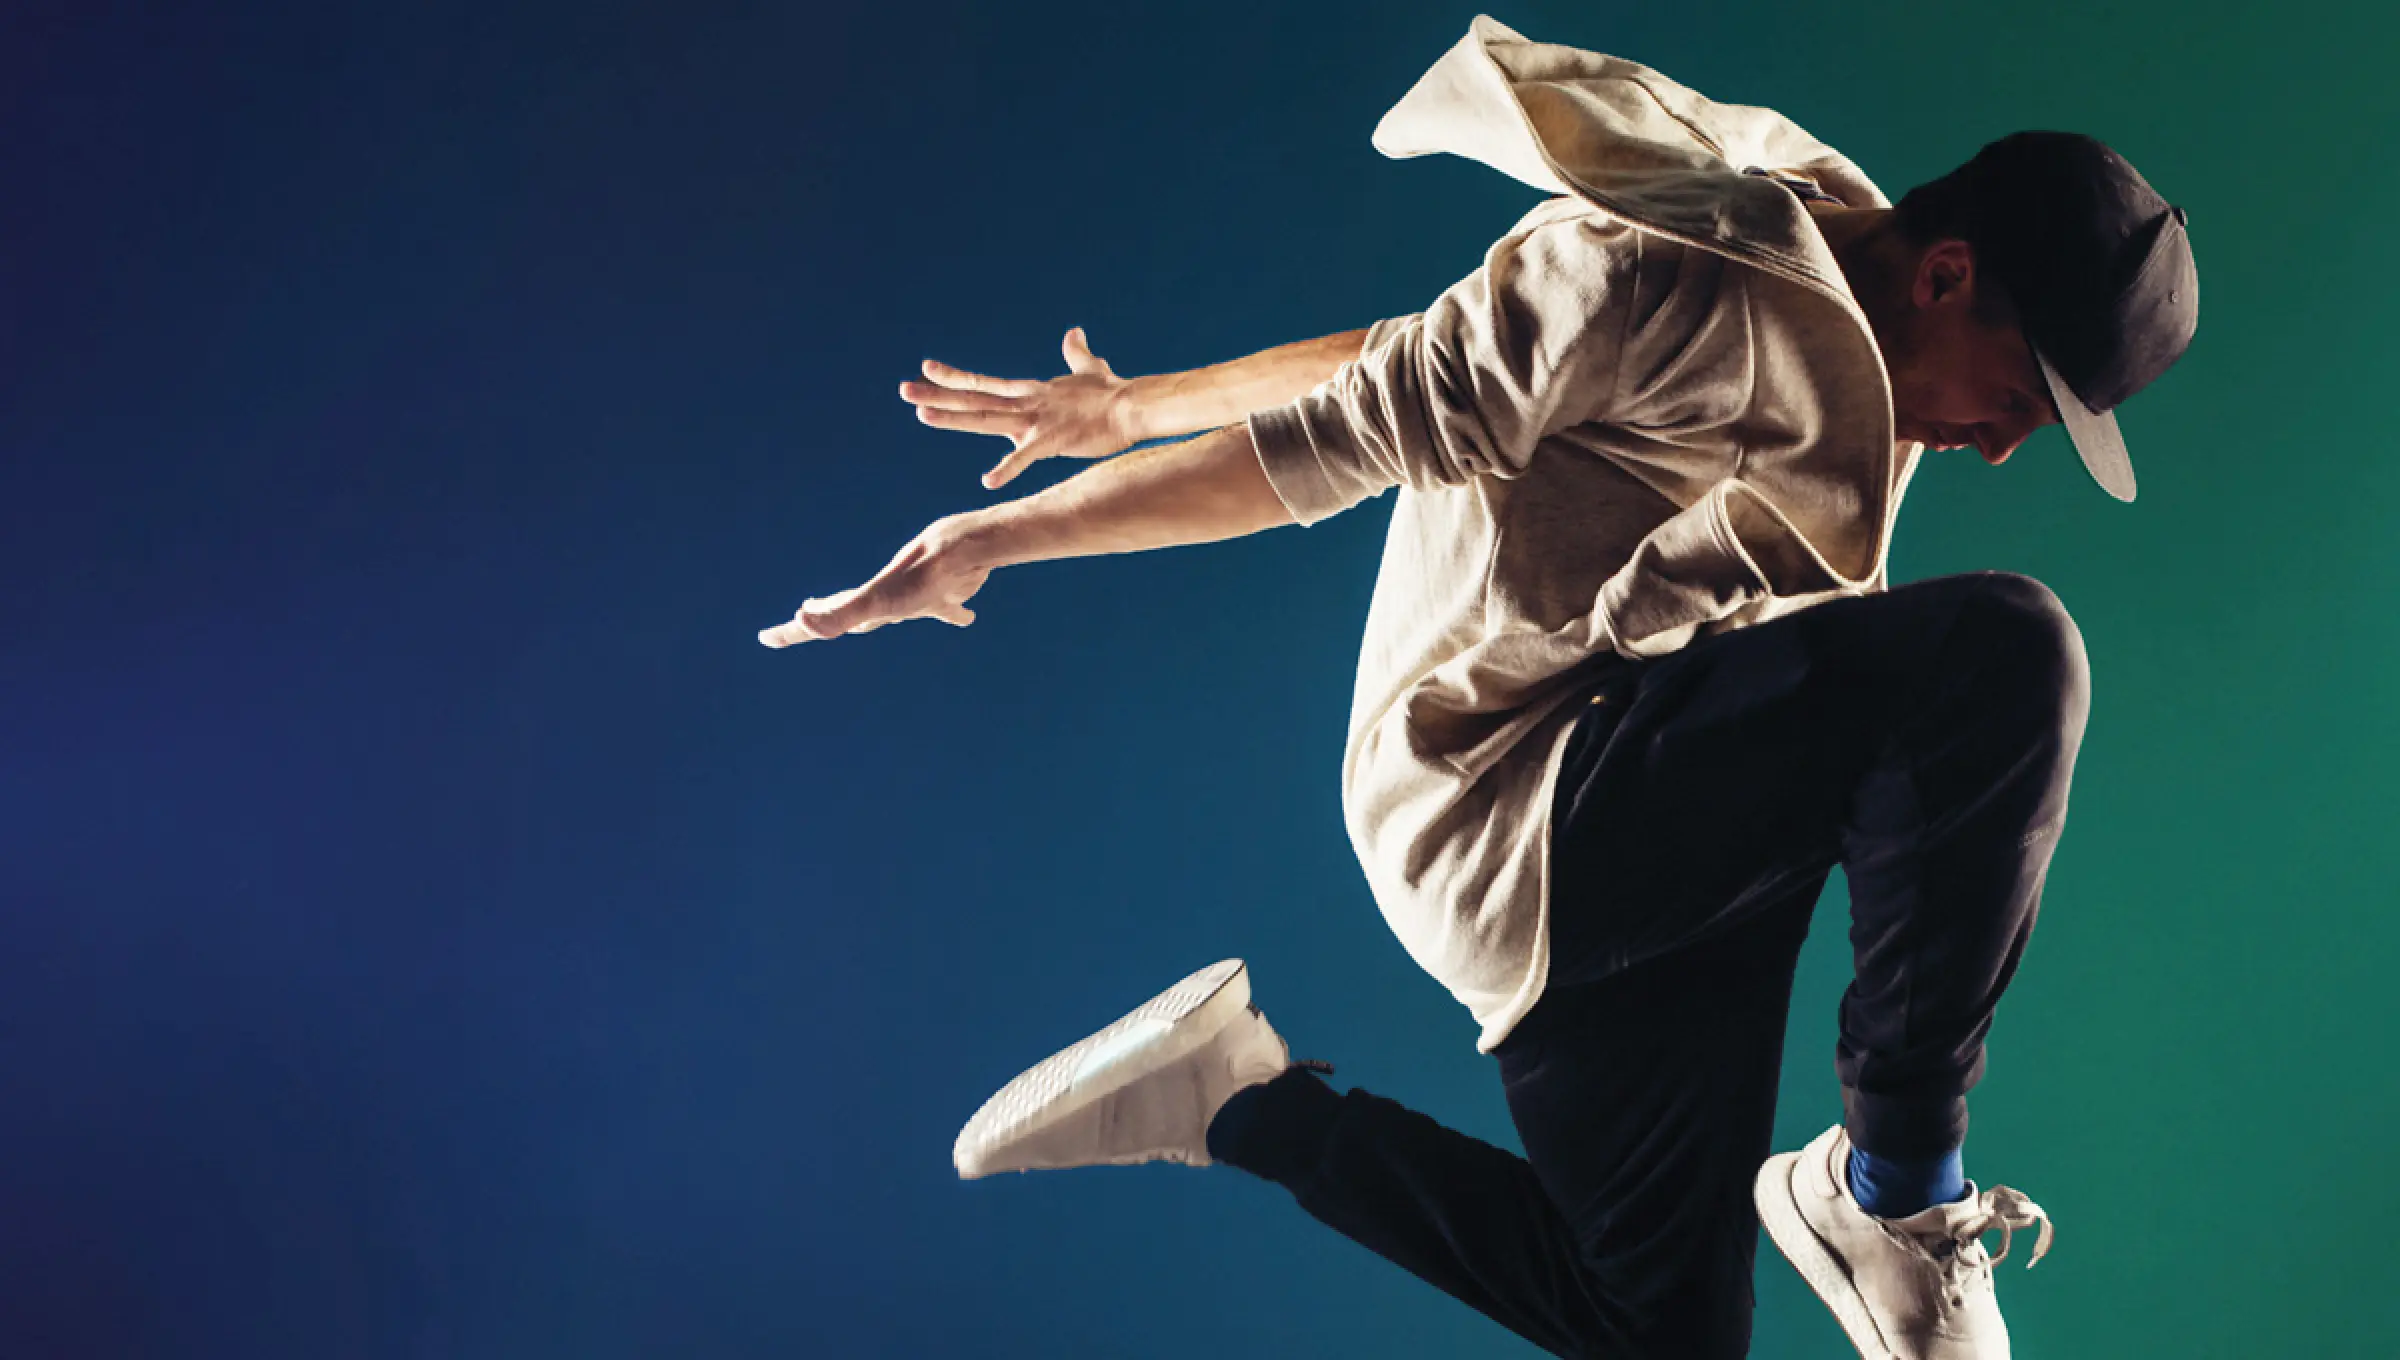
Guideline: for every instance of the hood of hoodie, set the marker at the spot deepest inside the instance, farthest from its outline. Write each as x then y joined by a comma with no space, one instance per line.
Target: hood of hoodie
1663,158
1634,144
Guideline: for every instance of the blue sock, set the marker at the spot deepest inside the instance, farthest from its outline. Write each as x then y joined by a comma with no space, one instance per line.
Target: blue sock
1889,1188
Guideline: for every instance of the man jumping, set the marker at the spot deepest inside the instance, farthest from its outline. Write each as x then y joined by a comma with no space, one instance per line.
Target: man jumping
1632,685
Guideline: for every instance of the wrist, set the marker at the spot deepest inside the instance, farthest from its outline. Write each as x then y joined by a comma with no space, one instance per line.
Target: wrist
1132,411
977,540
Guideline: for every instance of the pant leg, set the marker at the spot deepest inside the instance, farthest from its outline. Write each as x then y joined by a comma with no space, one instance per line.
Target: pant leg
1645,1101
1923,737
1946,847
1703,804
1460,1214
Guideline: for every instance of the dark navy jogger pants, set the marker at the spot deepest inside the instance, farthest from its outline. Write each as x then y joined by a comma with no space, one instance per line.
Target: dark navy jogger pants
1923,740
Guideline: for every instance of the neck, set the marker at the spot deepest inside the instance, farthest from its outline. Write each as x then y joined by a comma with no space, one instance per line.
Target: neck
1858,237
1867,244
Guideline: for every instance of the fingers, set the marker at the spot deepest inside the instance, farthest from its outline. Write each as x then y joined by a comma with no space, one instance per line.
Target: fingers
785,634
976,382
974,422
940,398
818,620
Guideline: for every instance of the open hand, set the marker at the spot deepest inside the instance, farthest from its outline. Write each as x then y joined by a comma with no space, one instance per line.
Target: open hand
1081,415
926,579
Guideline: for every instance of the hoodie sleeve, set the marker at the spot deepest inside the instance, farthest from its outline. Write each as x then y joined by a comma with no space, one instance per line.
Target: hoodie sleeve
1525,346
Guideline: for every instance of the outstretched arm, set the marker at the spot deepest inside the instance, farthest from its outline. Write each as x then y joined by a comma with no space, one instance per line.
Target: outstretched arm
1198,399
1199,491
1090,412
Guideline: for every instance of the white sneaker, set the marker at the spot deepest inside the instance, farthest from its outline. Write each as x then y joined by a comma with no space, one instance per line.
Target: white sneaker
1141,1090
1914,1288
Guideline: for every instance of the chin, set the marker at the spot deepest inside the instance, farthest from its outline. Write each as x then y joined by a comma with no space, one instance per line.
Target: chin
1930,437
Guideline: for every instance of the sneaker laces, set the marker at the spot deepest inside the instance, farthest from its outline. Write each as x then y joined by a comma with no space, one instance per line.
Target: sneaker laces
2009,1210
2000,1208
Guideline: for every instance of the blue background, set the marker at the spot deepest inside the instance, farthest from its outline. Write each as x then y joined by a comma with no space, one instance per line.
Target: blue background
434,927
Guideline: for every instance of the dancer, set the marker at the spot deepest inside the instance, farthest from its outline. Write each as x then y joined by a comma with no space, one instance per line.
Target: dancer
1632,684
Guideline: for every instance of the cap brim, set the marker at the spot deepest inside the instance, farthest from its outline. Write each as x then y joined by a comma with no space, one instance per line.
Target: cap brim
2095,434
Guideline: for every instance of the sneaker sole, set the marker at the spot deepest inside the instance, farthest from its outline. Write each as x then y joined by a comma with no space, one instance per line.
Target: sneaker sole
1192,1013
1779,1209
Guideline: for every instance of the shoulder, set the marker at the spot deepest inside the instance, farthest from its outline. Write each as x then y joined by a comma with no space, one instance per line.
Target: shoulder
1605,284
1564,270
1572,247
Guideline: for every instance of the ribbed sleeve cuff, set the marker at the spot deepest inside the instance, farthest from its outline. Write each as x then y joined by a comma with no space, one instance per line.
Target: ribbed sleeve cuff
1293,466
1905,1128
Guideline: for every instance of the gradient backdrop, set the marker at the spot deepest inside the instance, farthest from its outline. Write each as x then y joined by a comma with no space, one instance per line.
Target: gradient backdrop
434,927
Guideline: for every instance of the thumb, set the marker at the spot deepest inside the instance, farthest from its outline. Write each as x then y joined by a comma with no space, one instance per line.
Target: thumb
1079,353
1007,469
956,615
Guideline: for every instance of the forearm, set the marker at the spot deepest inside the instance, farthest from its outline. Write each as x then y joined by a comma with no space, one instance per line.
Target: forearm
1169,404
1199,491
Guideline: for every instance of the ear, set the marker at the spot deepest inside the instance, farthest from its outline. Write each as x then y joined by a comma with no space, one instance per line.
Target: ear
1945,273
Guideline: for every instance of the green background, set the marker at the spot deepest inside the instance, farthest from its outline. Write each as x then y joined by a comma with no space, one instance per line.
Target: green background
433,927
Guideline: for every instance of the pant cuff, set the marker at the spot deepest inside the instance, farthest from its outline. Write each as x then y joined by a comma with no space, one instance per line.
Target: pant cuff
1905,1128
1276,1130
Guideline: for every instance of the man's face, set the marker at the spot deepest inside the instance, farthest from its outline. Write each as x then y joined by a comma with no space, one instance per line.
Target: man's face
1960,379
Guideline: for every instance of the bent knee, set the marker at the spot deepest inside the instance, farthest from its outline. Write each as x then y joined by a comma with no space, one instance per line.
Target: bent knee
2030,644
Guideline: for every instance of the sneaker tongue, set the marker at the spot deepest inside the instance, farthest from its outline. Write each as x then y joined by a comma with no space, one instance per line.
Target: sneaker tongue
1941,1221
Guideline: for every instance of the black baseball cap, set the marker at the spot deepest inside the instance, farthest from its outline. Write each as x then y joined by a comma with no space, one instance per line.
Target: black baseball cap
2100,270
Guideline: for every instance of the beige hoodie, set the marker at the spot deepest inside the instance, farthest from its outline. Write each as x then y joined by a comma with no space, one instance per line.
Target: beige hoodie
1654,413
